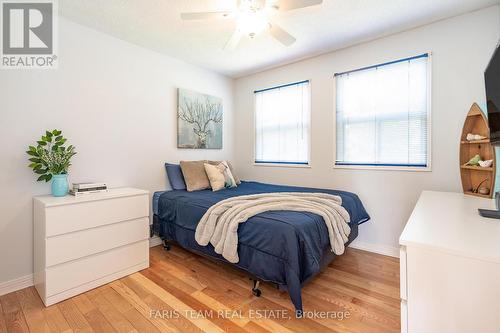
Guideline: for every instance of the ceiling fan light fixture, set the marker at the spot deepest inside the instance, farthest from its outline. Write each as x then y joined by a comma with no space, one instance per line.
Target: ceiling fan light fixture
252,23
254,17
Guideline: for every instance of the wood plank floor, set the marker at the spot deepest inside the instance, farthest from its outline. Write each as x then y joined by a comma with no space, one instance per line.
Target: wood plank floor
182,292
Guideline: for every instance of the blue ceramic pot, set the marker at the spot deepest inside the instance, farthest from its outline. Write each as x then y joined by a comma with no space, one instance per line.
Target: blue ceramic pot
59,185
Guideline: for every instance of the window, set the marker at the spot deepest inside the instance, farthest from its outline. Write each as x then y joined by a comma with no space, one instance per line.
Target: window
382,114
282,117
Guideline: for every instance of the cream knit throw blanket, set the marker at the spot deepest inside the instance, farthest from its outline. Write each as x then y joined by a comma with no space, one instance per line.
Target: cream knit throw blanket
219,225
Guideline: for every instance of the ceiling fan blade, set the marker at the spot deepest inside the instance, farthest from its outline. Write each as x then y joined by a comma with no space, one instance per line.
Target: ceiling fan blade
205,15
285,5
281,35
233,42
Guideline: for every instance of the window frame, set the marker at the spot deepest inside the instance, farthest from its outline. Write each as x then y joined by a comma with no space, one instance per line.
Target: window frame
309,146
388,167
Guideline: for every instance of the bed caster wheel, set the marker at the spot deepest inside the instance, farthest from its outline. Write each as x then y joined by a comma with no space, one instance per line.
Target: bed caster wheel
166,246
255,290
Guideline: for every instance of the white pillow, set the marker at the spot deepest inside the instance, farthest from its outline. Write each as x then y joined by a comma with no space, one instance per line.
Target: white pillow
220,176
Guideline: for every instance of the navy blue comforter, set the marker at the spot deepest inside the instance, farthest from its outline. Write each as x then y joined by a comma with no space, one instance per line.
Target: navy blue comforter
283,247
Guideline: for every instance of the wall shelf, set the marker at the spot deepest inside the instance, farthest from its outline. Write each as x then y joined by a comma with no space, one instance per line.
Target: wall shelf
475,142
478,194
476,176
478,168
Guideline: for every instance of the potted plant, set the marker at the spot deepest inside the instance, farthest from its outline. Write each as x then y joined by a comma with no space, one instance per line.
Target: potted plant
50,159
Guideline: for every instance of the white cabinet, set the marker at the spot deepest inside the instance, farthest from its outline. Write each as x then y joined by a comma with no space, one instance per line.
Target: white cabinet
81,243
450,266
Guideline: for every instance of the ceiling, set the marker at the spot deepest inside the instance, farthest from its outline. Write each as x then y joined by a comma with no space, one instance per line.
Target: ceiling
156,25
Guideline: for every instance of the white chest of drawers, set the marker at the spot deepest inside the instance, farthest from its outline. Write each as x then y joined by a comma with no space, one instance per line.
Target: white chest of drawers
81,243
450,266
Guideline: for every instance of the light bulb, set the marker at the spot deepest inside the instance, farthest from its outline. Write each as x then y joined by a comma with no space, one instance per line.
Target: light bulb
252,22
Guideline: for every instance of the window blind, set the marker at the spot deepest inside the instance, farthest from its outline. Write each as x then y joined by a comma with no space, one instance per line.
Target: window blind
381,114
282,120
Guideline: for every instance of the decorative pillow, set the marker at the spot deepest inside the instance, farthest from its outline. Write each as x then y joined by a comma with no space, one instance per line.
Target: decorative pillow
216,178
237,180
175,177
220,176
194,175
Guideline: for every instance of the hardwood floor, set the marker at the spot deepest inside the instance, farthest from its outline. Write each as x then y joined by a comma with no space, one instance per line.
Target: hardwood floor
182,292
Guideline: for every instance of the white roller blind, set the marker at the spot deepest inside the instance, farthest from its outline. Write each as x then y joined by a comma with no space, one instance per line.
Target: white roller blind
282,117
382,114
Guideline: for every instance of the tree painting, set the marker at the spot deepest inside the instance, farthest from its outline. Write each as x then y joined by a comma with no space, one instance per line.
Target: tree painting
199,120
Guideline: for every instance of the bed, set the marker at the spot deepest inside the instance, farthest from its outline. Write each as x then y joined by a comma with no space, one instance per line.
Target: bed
282,247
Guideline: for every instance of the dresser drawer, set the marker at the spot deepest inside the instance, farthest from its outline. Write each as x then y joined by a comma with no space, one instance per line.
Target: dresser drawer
78,272
79,216
75,245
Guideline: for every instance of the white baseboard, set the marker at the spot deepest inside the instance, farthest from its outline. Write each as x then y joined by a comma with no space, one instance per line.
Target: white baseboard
376,248
155,241
16,284
27,281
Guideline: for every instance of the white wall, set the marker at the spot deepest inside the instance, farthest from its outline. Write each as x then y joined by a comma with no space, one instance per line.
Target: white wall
461,48
116,102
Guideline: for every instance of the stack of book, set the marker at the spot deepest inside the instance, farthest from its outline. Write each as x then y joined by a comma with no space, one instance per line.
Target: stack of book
79,189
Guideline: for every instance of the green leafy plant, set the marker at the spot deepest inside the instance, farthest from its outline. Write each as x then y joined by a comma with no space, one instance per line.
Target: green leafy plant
50,156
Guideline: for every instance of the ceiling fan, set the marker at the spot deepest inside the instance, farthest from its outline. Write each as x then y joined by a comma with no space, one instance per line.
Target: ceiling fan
253,17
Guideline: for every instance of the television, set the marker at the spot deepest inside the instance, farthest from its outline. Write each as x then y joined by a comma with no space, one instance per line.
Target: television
492,82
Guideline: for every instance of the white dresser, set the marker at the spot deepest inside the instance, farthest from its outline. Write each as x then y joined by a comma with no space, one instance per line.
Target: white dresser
81,243
450,266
